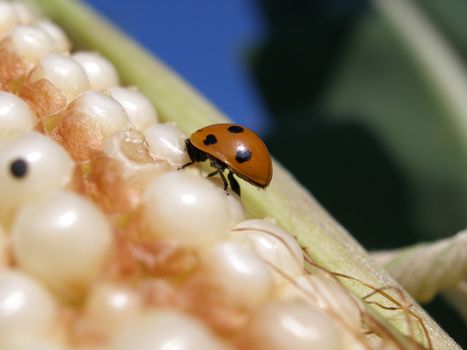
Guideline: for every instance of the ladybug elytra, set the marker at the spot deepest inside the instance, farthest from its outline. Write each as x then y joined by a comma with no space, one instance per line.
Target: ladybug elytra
232,147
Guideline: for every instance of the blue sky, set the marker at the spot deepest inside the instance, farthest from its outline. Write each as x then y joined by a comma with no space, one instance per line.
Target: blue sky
205,41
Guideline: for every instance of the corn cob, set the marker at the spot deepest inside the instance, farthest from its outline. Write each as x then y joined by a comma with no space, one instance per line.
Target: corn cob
106,245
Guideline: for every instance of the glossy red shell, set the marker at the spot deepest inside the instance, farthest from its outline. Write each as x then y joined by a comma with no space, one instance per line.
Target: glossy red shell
239,148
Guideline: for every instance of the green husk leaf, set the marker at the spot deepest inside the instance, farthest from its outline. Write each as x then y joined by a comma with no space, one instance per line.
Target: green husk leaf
294,208
427,269
401,81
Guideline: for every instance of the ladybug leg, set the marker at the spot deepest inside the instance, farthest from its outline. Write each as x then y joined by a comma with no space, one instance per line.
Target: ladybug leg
213,173
233,183
224,180
185,165
220,169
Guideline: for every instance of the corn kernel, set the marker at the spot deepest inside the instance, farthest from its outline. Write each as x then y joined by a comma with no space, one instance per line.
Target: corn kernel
88,121
8,18
166,330
68,228
67,76
283,325
100,72
272,244
166,141
254,283
110,305
24,14
60,40
15,115
139,109
185,208
26,307
31,166
30,44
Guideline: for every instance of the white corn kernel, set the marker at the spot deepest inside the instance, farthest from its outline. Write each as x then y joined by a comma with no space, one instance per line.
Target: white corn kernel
284,325
110,305
129,148
88,121
124,170
8,17
58,36
24,13
272,244
23,342
3,249
15,115
26,308
325,292
166,330
31,166
103,110
239,273
236,208
185,208
64,240
372,341
30,44
138,107
166,141
101,73
63,72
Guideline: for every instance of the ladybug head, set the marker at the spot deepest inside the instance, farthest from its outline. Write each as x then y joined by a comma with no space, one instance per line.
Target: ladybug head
194,153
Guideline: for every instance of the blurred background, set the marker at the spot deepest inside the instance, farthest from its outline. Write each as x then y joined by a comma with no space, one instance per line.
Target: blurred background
365,102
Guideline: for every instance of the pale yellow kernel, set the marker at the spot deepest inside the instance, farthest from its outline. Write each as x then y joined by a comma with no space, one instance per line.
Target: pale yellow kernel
63,240
185,208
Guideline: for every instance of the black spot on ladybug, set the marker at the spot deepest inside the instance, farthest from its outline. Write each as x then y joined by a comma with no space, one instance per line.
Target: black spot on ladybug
19,168
235,129
210,140
243,155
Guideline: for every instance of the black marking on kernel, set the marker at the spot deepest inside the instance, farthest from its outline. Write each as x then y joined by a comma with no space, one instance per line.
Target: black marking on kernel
243,155
210,140
19,168
235,129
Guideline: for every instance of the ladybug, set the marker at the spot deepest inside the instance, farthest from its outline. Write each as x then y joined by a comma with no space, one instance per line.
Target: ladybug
232,147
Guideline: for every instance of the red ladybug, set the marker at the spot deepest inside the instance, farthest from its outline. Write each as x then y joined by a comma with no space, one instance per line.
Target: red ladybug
233,147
